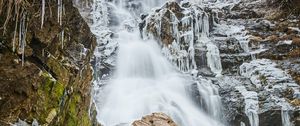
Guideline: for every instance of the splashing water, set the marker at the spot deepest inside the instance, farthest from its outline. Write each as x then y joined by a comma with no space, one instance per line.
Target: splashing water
145,83
210,99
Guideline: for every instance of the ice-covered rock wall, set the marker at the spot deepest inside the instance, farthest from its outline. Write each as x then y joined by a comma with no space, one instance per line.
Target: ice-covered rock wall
183,30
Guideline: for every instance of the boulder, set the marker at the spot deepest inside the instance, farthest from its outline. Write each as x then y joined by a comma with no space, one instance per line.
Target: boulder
155,119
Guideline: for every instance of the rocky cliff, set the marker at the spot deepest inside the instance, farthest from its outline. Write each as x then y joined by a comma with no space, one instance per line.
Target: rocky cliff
45,52
256,43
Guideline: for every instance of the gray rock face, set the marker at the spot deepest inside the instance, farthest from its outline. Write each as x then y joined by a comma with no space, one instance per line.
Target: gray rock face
234,106
230,46
183,31
230,31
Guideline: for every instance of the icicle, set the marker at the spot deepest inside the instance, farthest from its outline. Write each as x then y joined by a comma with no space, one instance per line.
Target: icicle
62,38
22,36
205,26
16,26
213,59
251,107
191,50
43,13
285,117
59,11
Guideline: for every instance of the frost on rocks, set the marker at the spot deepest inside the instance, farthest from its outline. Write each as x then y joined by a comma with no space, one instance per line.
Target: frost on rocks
97,17
183,29
285,115
265,75
263,72
251,107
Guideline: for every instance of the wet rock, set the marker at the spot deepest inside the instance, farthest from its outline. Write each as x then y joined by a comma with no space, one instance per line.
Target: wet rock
230,46
200,56
204,71
234,106
270,118
263,25
231,63
155,119
280,51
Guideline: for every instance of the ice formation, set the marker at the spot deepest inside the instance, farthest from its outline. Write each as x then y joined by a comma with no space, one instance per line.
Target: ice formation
140,66
188,32
22,35
43,13
60,7
251,107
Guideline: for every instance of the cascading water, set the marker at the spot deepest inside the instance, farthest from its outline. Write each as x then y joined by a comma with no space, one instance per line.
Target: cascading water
210,99
145,82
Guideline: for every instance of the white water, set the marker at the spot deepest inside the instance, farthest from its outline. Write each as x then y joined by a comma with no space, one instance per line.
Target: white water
285,117
145,82
211,101
251,107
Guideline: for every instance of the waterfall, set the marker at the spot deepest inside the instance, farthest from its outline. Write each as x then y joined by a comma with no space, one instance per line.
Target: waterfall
144,81
285,117
210,99
151,75
251,105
